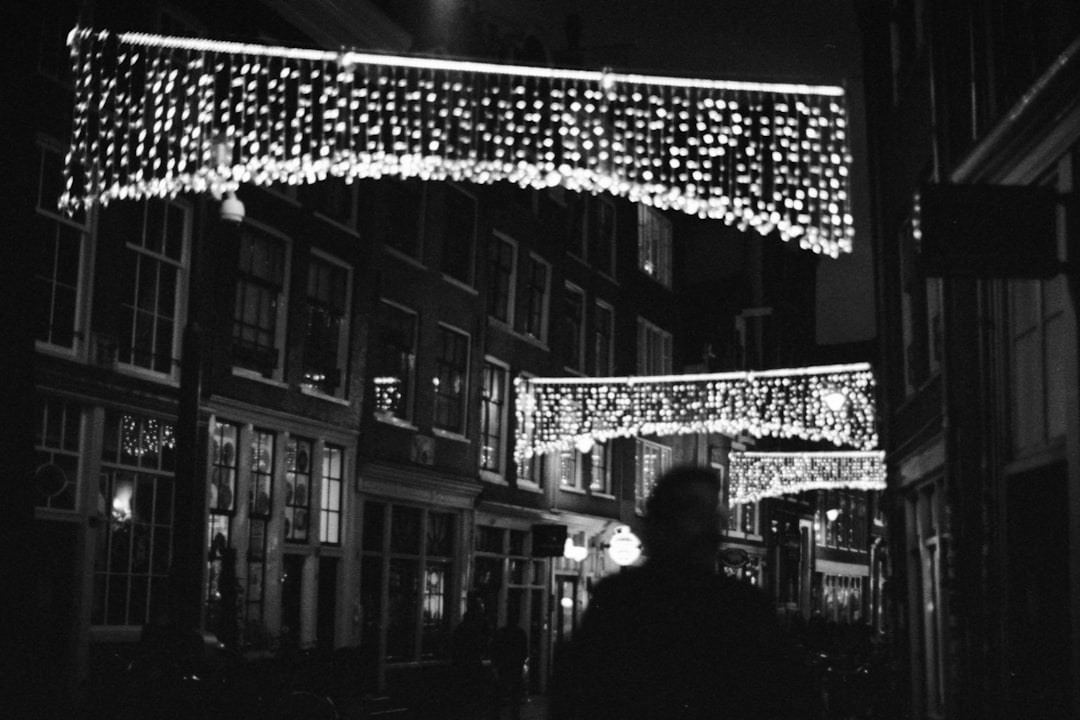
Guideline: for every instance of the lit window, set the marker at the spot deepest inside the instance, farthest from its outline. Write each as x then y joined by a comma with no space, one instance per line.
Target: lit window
653,460
654,245
135,545
530,472
493,418
570,469
259,319
451,380
600,468
394,360
58,273
326,344
332,485
603,340
260,486
297,489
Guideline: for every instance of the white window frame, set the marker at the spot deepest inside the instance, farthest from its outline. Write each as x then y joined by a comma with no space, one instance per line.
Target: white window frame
48,209
498,474
340,392
644,482
654,245
654,349
601,487
576,482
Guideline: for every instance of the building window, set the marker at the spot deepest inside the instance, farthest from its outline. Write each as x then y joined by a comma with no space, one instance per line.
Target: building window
259,320
493,418
502,263
135,545
451,380
654,349
327,340
405,216
654,245
574,329
260,490
59,245
331,486
603,340
571,469
601,235
153,268
413,548
395,360
56,454
531,318
577,205
298,453
1039,335
921,308
530,472
742,520
459,234
653,460
600,468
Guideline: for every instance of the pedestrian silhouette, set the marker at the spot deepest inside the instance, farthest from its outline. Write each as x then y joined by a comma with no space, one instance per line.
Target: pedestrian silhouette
470,647
675,638
509,652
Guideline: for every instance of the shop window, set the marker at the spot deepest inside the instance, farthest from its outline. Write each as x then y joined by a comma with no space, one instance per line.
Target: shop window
298,456
260,488
56,454
259,318
136,494
502,276
450,383
59,247
395,360
742,520
326,344
493,418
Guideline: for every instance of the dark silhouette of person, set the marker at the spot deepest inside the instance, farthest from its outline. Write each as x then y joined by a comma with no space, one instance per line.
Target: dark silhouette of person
509,652
675,638
470,647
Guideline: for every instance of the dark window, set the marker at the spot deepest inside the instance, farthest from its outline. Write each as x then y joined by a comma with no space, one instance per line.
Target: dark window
325,344
531,318
492,417
405,208
459,235
260,290
501,264
449,383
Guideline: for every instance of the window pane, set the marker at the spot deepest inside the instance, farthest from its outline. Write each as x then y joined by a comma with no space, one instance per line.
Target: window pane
449,383
259,291
460,234
491,417
332,487
395,338
326,325
297,489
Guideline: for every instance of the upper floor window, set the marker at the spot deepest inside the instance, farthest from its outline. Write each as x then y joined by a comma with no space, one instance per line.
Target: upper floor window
532,315
652,461
459,234
502,266
56,453
332,492
60,246
450,383
153,275
600,468
493,418
405,216
654,349
654,245
571,469
1039,338
135,545
259,319
601,234
603,339
574,328
326,344
921,313
395,360
742,519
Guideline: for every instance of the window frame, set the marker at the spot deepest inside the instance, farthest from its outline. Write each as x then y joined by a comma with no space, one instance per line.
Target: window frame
574,337
643,484
603,344
595,230
655,245
277,375
653,339
498,472
409,405
341,389
500,239
530,295
470,262
461,398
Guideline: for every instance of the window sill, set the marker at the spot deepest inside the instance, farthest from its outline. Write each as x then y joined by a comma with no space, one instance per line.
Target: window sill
252,375
405,257
395,421
461,284
73,353
574,490
532,340
323,396
349,227
603,495
136,371
493,477
450,435
529,486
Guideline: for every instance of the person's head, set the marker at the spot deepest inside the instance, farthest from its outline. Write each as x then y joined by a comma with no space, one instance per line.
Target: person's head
682,517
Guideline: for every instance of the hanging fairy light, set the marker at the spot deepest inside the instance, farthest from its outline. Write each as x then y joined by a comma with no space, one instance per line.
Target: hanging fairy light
149,110
757,475
833,403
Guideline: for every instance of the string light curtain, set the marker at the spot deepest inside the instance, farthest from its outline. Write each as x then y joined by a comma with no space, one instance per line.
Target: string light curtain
834,403
157,116
757,475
